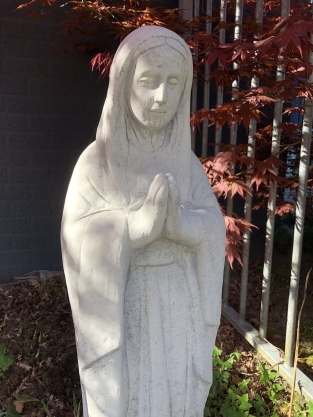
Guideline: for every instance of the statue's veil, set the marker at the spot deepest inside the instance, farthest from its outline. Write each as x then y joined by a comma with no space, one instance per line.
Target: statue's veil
111,134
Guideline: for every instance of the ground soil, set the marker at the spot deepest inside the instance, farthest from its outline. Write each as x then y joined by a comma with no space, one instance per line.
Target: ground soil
37,330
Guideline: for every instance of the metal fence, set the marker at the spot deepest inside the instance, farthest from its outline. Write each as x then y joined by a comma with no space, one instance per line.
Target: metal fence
238,319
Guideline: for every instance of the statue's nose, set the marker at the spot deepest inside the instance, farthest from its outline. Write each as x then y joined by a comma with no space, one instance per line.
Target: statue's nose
160,94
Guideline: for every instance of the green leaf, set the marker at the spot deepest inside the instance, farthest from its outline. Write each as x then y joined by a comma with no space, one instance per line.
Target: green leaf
243,385
27,399
216,352
11,411
244,402
277,387
207,412
46,409
310,408
5,360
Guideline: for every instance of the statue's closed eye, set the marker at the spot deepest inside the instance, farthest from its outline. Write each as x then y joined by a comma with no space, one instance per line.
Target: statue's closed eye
146,80
173,81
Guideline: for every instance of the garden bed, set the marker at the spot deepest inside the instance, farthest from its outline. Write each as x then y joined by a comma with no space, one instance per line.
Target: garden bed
37,331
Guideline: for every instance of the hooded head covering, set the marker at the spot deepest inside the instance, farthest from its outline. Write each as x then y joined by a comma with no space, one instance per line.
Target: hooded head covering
111,134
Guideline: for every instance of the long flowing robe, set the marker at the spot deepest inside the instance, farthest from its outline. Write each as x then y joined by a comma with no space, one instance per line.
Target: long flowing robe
96,246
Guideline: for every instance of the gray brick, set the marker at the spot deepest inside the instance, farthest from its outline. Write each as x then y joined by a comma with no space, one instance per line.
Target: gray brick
5,244
19,258
70,69
84,124
84,90
15,192
61,175
56,241
57,266
28,141
77,141
6,275
57,207
13,122
15,226
7,8
11,159
25,67
51,191
50,158
80,105
10,84
49,87
30,208
63,105
29,175
22,104
48,256
4,209
22,47
32,241
4,259
46,225
3,143
22,29
22,271
3,176
40,123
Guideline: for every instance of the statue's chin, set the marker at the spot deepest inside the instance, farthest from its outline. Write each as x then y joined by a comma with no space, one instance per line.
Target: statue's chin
156,121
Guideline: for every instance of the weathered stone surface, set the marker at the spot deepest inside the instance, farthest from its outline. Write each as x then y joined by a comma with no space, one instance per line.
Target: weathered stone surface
143,242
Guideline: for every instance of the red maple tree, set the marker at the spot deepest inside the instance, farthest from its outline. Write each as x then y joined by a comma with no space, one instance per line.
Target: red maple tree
261,49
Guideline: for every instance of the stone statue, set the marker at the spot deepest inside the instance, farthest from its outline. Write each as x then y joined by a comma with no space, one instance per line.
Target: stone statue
143,242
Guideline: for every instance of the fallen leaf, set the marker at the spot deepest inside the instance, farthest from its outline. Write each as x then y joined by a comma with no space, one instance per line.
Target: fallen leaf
19,405
236,379
24,366
34,281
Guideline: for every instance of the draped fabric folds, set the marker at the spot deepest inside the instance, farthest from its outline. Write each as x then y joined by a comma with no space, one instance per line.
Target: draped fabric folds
102,271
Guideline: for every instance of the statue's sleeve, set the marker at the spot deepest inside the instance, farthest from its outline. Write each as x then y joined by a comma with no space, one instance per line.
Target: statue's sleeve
95,252
211,251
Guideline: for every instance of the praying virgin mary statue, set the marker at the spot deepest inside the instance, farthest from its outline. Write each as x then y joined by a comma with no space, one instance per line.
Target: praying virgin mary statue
143,242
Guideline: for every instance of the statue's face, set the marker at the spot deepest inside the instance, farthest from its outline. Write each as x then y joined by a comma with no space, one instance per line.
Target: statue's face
157,86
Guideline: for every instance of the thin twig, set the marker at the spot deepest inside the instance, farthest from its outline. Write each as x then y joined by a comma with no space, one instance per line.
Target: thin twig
297,346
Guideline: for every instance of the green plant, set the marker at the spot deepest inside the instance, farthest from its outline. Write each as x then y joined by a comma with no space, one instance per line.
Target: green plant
229,400
225,399
46,409
77,406
10,412
5,360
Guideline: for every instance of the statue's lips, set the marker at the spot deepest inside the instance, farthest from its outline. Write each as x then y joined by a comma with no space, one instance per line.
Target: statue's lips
158,111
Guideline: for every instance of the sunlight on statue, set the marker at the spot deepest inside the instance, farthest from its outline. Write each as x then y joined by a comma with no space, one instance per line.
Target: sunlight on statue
143,242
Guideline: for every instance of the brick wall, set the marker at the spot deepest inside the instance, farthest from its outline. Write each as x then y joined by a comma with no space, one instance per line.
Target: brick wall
49,110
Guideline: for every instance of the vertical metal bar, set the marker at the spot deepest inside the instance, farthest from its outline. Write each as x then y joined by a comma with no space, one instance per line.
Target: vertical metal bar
248,197
271,206
299,226
233,141
220,90
194,84
206,100
187,6
187,14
